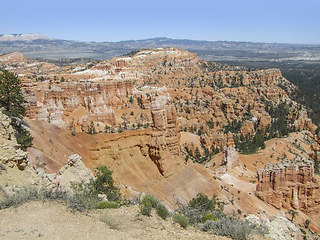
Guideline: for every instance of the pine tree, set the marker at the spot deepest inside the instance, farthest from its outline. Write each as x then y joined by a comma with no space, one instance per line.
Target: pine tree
11,100
316,164
198,154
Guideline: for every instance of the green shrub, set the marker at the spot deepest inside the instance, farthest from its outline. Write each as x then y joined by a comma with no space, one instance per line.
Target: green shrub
307,223
203,202
84,197
200,208
145,208
182,220
232,227
113,222
148,202
162,211
206,212
104,183
150,199
207,217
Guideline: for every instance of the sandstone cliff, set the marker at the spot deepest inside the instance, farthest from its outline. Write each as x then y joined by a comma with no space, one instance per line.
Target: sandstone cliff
83,102
165,134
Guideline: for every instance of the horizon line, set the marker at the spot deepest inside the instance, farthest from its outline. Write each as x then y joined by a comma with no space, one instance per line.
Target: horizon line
152,38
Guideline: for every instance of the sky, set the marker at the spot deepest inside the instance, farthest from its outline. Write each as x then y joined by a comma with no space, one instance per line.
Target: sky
280,21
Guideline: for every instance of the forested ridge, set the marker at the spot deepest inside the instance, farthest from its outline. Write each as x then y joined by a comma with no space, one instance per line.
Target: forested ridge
305,75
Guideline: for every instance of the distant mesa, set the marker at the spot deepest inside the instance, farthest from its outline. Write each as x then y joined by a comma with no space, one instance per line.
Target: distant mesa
22,37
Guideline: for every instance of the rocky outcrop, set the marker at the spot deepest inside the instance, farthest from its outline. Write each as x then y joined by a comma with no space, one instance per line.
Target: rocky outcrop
301,121
10,152
228,110
72,173
216,140
264,121
230,155
279,227
289,185
165,134
247,128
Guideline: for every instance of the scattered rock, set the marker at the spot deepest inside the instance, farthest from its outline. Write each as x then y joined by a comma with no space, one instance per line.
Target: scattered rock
10,153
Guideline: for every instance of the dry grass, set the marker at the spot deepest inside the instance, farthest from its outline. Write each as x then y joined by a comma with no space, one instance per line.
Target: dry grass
114,222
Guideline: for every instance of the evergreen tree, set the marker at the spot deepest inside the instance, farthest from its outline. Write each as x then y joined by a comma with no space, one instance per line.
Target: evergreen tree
316,164
197,153
11,99
217,150
190,153
104,183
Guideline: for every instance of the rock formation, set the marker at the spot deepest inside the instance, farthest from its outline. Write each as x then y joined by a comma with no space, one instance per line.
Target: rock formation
230,155
301,121
84,102
247,128
279,227
165,134
264,121
289,185
10,152
75,96
73,172
216,140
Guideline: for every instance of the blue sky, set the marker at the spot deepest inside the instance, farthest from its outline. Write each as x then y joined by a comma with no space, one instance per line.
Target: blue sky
229,20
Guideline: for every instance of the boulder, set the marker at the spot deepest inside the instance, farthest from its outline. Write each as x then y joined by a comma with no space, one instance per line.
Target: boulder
73,172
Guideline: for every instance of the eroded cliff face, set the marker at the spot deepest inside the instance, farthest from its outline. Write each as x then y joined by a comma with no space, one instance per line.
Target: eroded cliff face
80,103
289,185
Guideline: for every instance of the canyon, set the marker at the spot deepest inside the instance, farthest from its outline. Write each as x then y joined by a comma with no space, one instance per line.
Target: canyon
145,115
